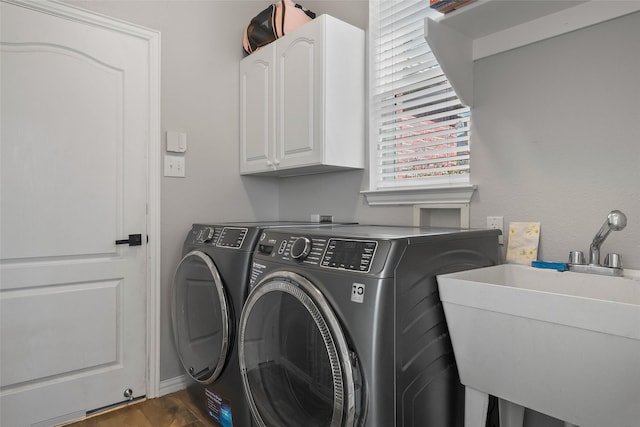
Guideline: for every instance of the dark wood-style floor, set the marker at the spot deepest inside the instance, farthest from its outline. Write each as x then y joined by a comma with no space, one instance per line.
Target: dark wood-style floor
173,410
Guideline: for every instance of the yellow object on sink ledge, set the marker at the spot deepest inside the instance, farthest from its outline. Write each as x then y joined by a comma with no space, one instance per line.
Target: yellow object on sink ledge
524,238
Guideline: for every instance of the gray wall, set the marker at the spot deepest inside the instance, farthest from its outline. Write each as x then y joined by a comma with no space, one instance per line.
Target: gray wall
556,136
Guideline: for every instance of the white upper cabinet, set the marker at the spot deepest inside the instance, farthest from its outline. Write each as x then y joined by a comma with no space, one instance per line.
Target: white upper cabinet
302,102
487,27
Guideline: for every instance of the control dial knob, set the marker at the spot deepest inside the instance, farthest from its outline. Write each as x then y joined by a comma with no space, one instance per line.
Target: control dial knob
205,235
208,234
300,248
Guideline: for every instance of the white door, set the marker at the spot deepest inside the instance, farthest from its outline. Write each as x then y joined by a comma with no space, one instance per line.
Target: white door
75,134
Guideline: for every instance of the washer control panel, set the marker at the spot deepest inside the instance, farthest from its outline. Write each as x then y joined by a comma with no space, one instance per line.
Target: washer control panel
336,253
349,254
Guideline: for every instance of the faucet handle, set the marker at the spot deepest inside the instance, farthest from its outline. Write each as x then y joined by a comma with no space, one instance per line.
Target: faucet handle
613,260
576,257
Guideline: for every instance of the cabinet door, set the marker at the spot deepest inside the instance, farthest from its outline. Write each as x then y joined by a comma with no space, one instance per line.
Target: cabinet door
257,130
299,100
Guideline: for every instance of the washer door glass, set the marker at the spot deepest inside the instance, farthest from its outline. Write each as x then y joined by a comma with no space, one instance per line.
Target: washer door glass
295,363
201,317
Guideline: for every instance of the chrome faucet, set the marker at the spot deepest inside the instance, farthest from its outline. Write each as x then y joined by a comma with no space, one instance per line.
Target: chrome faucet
616,221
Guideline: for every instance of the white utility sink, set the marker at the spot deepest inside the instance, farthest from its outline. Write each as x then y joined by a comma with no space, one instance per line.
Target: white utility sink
562,343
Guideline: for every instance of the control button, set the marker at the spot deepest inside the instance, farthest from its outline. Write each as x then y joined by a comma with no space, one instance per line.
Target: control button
265,249
300,248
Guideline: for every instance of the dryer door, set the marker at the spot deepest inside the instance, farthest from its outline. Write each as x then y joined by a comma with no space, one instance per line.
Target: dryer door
201,317
296,366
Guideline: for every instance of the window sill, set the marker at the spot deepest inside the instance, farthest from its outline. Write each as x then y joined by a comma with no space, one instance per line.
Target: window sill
415,196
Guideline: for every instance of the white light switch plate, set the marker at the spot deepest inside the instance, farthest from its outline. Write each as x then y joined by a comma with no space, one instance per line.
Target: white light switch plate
174,166
176,142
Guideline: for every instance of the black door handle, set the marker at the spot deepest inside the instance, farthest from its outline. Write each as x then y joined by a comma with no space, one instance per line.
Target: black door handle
133,240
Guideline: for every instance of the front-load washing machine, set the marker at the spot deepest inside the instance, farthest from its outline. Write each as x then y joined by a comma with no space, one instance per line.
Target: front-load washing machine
344,327
208,290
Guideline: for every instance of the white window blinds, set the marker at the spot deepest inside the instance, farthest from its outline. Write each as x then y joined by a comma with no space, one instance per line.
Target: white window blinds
419,128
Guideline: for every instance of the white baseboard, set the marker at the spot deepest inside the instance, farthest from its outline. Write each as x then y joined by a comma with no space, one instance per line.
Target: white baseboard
172,385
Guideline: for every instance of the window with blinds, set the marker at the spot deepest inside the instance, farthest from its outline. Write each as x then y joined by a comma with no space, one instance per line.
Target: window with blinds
419,128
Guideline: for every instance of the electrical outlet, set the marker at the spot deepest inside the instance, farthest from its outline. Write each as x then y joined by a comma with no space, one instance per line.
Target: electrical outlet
497,223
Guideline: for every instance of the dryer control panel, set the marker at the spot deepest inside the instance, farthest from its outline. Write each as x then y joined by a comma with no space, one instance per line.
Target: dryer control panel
232,237
220,236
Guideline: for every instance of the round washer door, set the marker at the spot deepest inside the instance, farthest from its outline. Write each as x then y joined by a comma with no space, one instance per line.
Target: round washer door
201,317
295,363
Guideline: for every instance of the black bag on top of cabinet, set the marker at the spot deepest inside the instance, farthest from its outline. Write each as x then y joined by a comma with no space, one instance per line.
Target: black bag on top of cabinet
274,22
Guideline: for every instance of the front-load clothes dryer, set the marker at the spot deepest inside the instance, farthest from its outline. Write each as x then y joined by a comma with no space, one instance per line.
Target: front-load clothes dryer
344,327
208,290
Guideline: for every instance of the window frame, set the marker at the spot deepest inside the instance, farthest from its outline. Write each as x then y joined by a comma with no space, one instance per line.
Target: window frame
439,191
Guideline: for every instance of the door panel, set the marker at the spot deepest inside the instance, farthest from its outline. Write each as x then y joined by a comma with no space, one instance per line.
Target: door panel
34,338
201,317
294,358
296,85
45,152
257,111
302,98
75,136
